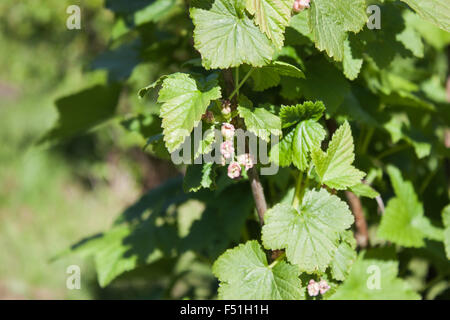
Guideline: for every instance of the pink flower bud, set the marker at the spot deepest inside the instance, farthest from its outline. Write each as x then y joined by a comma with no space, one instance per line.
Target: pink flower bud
226,110
227,149
234,170
323,286
246,160
226,107
313,288
228,131
300,5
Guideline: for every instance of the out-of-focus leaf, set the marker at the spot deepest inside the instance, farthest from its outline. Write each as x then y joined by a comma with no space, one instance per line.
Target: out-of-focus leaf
82,111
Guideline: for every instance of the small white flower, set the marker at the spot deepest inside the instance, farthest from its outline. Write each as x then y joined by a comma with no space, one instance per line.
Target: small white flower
323,286
227,131
227,149
234,170
300,5
313,288
246,160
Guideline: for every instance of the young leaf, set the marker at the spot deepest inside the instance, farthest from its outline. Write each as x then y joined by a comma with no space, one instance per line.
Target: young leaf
184,100
226,37
310,235
334,167
446,220
199,176
260,121
434,11
308,136
364,190
291,115
295,146
281,153
374,280
244,273
403,221
269,76
272,17
330,20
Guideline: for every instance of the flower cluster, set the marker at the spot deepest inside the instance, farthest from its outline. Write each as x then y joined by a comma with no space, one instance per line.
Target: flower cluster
314,288
300,5
227,150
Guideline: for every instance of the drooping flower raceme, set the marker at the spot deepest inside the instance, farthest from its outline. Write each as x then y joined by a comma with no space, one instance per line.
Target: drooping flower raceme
313,288
246,160
227,149
234,170
300,5
323,286
227,131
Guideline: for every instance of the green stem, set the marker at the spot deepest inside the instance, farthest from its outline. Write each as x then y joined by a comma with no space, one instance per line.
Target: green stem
367,139
236,90
236,79
300,189
275,262
392,151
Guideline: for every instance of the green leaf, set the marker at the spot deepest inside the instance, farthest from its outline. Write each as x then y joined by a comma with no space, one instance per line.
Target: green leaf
361,283
260,121
199,176
83,111
119,62
364,190
155,11
157,200
244,273
334,167
184,100
221,224
291,115
434,11
143,92
344,257
403,221
272,17
352,66
281,153
330,20
307,137
124,248
226,37
446,220
295,147
331,90
206,144
269,76
309,235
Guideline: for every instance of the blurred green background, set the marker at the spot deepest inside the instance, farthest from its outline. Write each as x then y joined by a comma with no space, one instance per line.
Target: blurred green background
52,196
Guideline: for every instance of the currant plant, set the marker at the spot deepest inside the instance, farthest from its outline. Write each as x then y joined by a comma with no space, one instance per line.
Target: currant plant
302,78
